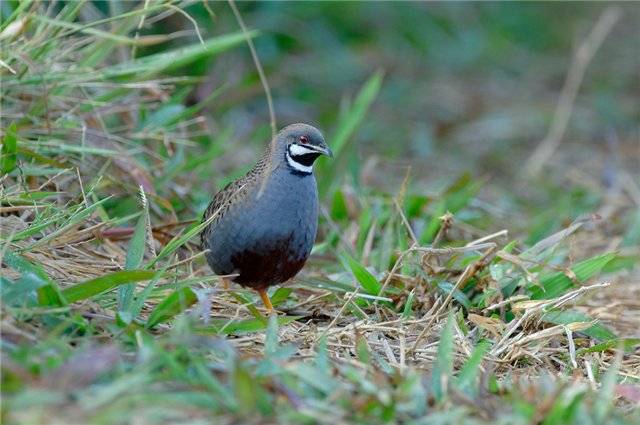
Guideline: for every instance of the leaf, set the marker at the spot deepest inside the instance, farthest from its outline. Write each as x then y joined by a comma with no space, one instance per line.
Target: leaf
280,296
8,153
143,68
362,349
564,317
407,312
49,294
628,344
604,401
431,229
245,388
161,116
471,368
192,110
250,306
339,206
354,117
271,336
458,295
555,284
175,303
105,283
135,253
87,30
224,326
460,193
368,282
443,368
179,240
79,215
18,292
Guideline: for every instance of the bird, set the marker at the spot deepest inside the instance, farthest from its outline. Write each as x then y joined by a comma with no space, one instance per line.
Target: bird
261,227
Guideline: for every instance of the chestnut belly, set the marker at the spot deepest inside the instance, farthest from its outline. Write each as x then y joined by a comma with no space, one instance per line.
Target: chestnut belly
269,264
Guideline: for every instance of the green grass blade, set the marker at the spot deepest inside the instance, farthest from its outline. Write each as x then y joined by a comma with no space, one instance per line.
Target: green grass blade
628,344
271,336
174,304
407,311
354,117
458,295
556,284
135,254
280,296
469,372
564,317
8,152
443,368
250,306
604,401
179,240
75,219
102,284
226,327
147,66
48,294
368,282
87,30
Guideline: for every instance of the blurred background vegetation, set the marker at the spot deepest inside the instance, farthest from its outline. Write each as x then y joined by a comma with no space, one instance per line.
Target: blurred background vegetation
468,88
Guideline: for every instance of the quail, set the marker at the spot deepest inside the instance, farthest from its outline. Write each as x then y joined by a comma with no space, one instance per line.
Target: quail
264,224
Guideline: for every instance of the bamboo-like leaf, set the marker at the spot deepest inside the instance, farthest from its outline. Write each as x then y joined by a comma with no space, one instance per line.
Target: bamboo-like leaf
564,317
555,284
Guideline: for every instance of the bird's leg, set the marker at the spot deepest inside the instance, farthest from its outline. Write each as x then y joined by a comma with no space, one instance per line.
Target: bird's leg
265,299
225,283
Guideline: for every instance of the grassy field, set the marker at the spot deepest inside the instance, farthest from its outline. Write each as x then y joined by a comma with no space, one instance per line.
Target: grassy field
460,276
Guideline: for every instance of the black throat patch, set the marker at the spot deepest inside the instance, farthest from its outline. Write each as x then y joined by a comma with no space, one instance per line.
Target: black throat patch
306,159
300,163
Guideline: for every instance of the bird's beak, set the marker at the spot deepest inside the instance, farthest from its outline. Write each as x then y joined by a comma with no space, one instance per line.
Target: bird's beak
326,150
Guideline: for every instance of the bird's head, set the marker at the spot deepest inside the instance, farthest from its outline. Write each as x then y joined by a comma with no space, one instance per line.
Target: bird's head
302,145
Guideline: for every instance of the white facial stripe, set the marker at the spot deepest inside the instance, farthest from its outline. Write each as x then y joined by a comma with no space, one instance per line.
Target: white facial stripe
299,167
297,150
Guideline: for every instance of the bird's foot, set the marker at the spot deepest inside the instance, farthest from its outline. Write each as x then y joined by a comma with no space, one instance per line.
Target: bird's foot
265,299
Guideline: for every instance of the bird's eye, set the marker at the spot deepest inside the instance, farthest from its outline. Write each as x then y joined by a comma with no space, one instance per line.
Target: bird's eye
304,139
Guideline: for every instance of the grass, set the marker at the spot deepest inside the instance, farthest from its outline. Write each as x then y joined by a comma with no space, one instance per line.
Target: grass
413,308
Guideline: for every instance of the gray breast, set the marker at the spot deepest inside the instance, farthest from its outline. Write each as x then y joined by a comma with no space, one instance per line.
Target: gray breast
267,239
